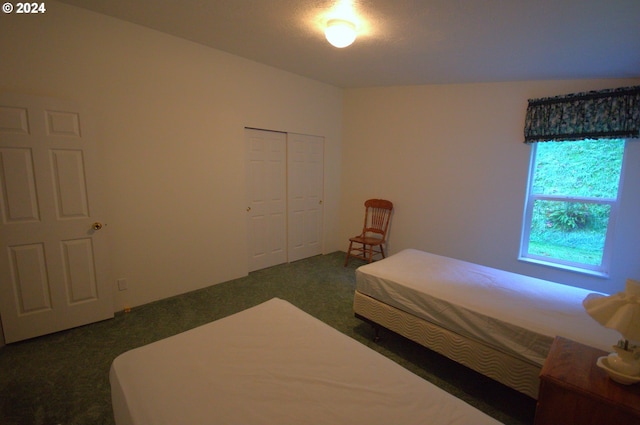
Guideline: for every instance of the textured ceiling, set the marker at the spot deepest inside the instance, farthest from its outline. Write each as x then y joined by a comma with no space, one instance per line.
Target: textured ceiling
407,42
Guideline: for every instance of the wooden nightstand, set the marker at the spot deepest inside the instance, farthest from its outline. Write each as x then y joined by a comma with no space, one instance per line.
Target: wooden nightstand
573,390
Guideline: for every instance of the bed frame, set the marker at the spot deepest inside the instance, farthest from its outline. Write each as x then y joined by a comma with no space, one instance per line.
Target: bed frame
517,373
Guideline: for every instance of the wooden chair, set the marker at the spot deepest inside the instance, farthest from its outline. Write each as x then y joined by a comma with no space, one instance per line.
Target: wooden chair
374,232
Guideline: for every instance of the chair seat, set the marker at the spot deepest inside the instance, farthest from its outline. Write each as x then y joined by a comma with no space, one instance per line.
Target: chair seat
366,240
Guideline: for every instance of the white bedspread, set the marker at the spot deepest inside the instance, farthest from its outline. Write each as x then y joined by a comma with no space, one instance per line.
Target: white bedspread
511,312
274,364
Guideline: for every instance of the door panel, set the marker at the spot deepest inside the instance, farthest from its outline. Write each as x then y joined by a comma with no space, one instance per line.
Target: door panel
266,198
19,195
80,276
305,193
30,283
52,263
69,182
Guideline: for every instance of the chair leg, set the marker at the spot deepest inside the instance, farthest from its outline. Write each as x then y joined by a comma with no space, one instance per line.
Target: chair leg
346,260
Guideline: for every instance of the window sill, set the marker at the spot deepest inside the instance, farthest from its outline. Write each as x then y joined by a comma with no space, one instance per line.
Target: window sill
564,267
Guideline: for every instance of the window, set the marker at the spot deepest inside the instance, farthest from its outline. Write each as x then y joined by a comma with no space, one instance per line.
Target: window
571,203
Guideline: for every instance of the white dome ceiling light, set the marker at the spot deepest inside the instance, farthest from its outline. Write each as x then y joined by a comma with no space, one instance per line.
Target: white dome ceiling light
340,33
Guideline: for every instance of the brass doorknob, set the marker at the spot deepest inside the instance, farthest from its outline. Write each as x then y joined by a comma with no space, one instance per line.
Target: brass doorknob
96,226
248,209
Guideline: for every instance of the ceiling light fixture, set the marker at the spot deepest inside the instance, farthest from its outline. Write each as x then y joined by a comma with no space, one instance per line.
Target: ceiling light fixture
340,33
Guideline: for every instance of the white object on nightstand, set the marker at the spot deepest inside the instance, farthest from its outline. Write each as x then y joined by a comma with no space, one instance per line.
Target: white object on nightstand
621,378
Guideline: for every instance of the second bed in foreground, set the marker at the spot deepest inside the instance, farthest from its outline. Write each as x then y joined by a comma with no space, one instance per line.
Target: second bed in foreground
274,364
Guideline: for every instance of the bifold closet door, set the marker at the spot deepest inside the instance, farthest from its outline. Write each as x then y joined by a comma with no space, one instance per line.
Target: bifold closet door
285,184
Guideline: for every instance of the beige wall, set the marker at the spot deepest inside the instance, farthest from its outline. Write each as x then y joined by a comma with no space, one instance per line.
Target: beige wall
452,160
170,118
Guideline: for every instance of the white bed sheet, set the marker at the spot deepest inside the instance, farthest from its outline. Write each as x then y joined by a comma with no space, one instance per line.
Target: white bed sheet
516,314
274,364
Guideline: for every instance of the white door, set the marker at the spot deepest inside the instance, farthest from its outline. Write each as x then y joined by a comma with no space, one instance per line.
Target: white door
305,193
53,268
266,198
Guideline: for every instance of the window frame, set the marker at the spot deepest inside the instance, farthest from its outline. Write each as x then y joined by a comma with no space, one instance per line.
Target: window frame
601,270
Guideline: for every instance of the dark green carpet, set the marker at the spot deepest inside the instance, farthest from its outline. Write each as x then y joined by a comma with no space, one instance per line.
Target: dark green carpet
63,378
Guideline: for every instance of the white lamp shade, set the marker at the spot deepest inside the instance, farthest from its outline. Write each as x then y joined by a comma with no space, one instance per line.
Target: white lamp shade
340,33
620,311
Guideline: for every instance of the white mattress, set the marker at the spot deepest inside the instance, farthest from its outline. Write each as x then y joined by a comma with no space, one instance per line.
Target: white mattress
516,314
273,364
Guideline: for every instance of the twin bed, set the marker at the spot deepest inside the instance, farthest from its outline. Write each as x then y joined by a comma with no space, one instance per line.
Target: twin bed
498,323
274,363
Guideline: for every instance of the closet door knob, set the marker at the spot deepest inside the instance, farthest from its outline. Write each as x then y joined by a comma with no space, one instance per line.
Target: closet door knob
96,226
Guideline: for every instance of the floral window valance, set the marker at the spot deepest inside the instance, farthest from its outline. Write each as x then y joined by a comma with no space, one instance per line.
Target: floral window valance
604,114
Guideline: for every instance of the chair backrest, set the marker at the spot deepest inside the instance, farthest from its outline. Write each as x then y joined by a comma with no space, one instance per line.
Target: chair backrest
377,217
